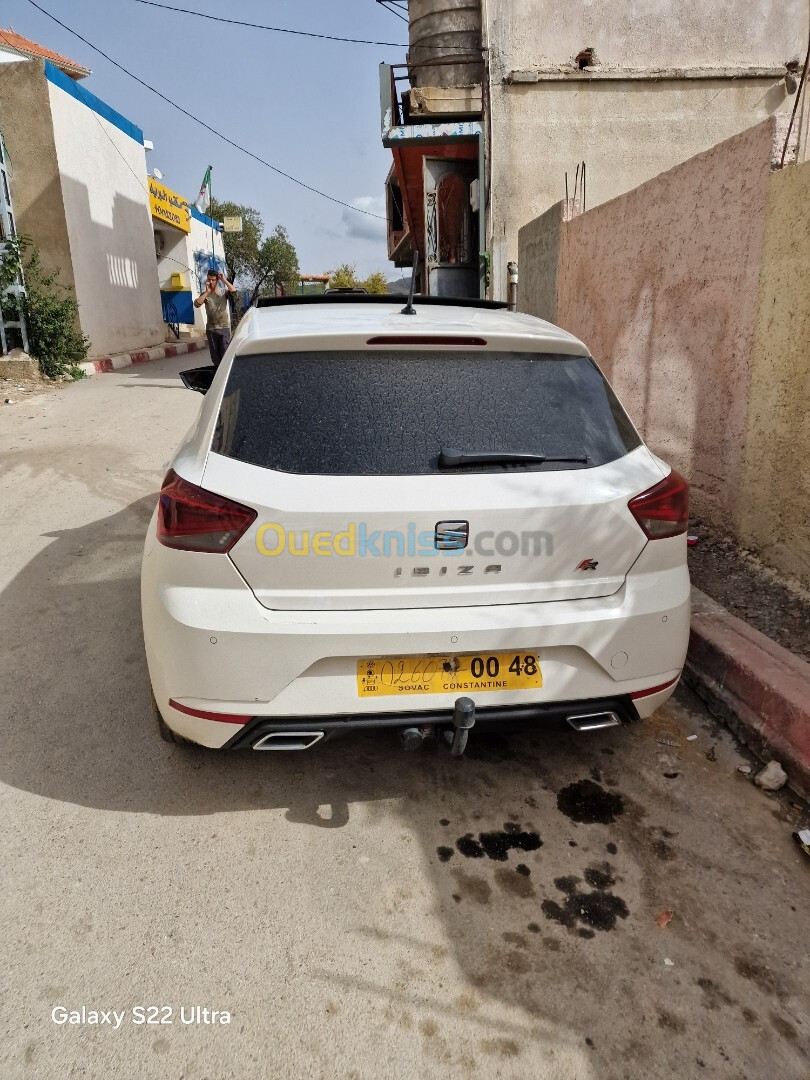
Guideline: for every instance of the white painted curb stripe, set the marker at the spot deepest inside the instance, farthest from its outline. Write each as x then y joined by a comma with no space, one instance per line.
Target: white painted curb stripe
140,356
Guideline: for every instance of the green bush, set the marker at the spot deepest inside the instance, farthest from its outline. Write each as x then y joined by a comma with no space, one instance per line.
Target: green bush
50,312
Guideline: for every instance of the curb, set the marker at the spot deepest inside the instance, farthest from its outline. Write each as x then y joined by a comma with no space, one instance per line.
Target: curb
140,356
753,685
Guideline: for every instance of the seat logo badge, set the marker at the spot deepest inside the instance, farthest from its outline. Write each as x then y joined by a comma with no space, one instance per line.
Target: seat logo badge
588,564
451,535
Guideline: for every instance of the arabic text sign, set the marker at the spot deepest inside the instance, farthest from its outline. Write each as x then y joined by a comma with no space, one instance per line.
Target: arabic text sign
232,224
168,206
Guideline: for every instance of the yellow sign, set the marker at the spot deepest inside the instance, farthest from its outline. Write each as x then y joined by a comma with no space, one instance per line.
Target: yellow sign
168,206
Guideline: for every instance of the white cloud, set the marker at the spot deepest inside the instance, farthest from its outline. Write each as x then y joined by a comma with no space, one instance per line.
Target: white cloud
361,226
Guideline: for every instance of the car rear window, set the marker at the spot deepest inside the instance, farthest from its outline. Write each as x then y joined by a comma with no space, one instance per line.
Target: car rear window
375,413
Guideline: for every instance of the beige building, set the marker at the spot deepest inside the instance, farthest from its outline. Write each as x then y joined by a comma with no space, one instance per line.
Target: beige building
79,185
627,87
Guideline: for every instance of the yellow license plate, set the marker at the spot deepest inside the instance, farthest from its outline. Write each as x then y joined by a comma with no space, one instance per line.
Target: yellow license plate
460,674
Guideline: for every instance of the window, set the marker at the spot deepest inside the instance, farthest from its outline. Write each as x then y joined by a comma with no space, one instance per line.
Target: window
391,413
396,217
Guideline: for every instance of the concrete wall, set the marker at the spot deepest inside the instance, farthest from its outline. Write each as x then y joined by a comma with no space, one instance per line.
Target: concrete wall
539,252
691,291
681,80
773,507
642,33
35,188
103,178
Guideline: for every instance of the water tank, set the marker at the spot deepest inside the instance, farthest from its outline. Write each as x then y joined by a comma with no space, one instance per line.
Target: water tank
445,42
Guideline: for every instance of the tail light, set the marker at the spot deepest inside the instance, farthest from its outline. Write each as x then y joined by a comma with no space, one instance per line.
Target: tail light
221,718
653,689
422,339
663,510
192,519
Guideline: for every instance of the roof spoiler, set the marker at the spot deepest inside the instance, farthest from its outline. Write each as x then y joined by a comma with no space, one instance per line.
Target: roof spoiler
379,298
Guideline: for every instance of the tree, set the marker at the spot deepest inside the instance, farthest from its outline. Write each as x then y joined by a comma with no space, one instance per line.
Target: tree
277,262
241,249
253,260
345,277
376,282
51,314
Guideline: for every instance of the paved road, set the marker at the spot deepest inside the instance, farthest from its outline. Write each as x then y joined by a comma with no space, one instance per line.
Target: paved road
342,905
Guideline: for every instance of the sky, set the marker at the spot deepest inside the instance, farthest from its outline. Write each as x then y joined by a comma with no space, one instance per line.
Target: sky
309,107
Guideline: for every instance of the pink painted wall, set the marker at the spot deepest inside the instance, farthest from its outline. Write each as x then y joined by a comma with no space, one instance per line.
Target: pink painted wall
662,284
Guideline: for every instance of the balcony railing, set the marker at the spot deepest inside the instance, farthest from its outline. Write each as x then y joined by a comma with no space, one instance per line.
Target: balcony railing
395,81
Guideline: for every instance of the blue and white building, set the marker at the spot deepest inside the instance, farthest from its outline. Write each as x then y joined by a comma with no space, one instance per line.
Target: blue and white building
80,185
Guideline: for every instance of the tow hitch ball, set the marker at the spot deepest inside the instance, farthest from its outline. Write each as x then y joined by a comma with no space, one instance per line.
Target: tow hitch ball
463,720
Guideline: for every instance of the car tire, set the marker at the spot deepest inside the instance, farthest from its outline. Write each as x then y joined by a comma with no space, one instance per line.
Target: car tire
165,731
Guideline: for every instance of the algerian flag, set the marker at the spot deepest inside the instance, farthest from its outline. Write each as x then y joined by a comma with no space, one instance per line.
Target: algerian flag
204,198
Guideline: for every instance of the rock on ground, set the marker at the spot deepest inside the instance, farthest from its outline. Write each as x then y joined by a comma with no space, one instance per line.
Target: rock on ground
772,778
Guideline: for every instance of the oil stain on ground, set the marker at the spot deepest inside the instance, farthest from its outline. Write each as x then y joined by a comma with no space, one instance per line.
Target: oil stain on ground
713,994
601,879
598,910
471,887
583,912
589,803
514,883
497,845
759,973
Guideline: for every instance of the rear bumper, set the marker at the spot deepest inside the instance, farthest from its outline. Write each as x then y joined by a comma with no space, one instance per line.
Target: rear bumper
504,717
216,649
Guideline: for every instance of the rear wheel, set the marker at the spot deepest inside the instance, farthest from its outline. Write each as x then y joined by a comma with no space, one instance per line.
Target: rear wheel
165,731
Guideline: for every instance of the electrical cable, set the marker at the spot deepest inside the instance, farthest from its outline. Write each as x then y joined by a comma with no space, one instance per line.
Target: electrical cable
167,258
202,123
305,33
275,29
393,11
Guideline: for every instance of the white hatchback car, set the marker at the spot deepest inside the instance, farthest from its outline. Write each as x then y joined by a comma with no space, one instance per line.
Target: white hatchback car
414,521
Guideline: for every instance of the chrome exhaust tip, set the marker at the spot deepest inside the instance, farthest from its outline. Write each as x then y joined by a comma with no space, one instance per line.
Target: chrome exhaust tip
593,721
288,740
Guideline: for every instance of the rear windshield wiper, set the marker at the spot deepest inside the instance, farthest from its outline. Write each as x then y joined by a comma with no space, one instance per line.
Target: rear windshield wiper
454,459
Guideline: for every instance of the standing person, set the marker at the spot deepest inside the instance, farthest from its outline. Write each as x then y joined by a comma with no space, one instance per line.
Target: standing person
218,315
